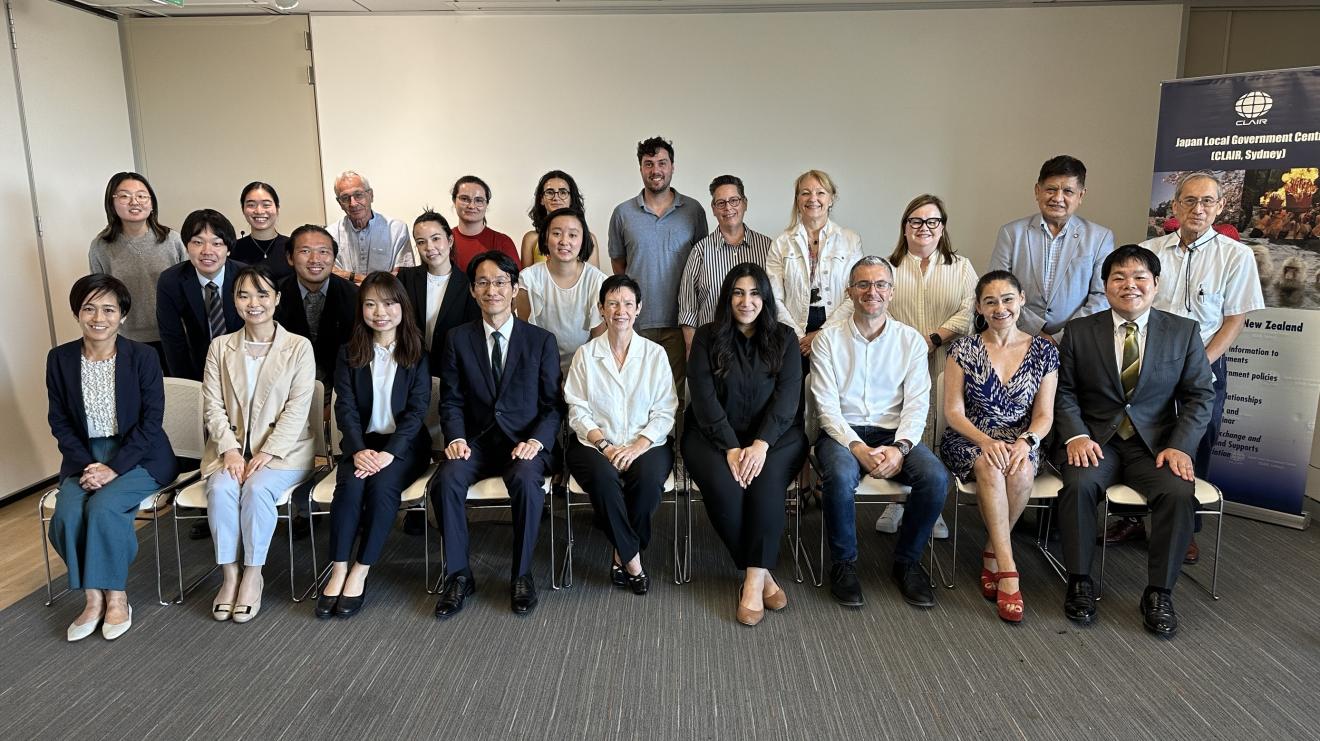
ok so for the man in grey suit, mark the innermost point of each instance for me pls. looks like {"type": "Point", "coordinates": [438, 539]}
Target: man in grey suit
{"type": "Point", "coordinates": [1055, 253]}
{"type": "Point", "coordinates": [1135, 395]}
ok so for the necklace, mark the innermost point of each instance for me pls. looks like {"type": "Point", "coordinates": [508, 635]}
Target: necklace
{"type": "Point", "coordinates": [265, 251]}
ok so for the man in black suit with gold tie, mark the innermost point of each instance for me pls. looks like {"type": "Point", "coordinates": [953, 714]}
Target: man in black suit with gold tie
{"type": "Point", "coordinates": [1135, 395]}
{"type": "Point", "coordinates": [499, 411]}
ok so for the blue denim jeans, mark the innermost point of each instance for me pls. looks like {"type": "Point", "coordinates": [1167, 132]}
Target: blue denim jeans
{"type": "Point", "coordinates": [840, 473]}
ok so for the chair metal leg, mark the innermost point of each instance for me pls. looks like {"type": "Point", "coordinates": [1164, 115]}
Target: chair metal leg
{"type": "Point", "coordinates": [566, 577]}
{"type": "Point", "coordinates": [1043, 545]}
{"type": "Point", "coordinates": [155, 538]}
{"type": "Point", "coordinates": [426, 545]}
{"type": "Point", "coordinates": [953, 562]}
{"type": "Point", "coordinates": [45, 551]}
{"type": "Point", "coordinates": [554, 586]}
{"type": "Point", "coordinates": [1104, 525]}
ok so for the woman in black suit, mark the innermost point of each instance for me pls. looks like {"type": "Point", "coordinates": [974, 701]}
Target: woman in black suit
{"type": "Point", "coordinates": [744, 442]}
{"type": "Point", "coordinates": [382, 388]}
{"type": "Point", "coordinates": [439, 293]}
{"type": "Point", "coordinates": [107, 402]}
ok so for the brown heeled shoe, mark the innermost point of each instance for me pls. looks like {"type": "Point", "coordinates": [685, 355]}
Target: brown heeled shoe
{"type": "Point", "coordinates": [776, 600]}
{"type": "Point", "coordinates": [748, 616]}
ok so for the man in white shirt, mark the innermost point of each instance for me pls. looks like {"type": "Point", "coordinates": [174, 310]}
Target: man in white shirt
{"type": "Point", "coordinates": [369, 241]}
{"type": "Point", "coordinates": [870, 381]}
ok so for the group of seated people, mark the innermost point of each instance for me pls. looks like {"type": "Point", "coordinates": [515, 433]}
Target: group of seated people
{"type": "Point", "coordinates": [584, 373]}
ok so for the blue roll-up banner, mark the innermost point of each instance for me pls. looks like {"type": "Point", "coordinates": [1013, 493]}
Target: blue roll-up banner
{"type": "Point", "coordinates": [1260, 132]}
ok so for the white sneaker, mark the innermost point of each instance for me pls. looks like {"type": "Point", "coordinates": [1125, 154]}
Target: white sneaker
{"type": "Point", "coordinates": [941, 530]}
{"type": "Point", "coordinates": [890, 519]}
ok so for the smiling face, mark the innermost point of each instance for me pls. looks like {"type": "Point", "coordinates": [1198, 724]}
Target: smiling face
{"type": "Point", "coordinates": [99, 317]}
{"type": "Point", "coordinates": [813, 200]}
{"type": "Point", "coordinates": [313, 258]}
{"type": "Point", "coordinates": [620, 310]}
{"type": "Point", "coordinates": [555, 194]}
{"type": "Point", "coordinates": [354, 198]}
{"type": "Point", "coordinates": [493, 291]}
{"type": "Point", "coordinates": [255, 302]}
{"type": "Point", "coordinates": [260, 210]}
{"type": "Point", "coordinates": [1058, 198]}
{"type": "Point", "coordinates": [1131, 288]}
{"type": "Point", "coordinates": [470, 203]}
{"type": "Point", "coordinates": [132, 201]}
{"type": "Point", "coordinates": [657, 170]}
{"type": "Point", "coordinates": [999, 304]}
{"type": "Point", "coordinates": [871, 288]}
{"type": "Point", "coordinates": [746, 303]}
{"type": "Point", "coordinates": [207, 252]}
{"type": "Point", "coordinates": [433, 245]}
{"type": "Point", "coordinates": [729, 207]}
{"type": "Point", "coordinates": [382, 314]}
{"type": "Point", "coordinates": [563, 238]}
{"type": "Point", "coordinates": [923, 238]}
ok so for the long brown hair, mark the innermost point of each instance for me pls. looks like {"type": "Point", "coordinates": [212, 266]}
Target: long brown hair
{"type": "Point", "coordinates": [945, 246]}
{"type": "Point", "coordinates": [114, 226]}
{"type": "Point", "coordinates": [407, 338]}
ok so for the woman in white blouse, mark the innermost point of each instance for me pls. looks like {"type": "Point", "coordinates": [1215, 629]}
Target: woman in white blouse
{"type": "Point", "coordinates": [559, 295]}
{"type": "Point", "coordinates": [621, 406]}
{"type": "Point", "coordinates": [934, 290]}
{"type": "Point", "coordinates": [808, 264]}
{"type": "Point", "coordinates": [257, 391]}
{"type": "Point", "coordinates": [382, 388]}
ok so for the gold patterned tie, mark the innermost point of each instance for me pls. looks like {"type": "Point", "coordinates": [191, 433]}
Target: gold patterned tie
{"type": "Point", "coordinates": [1131, 370]}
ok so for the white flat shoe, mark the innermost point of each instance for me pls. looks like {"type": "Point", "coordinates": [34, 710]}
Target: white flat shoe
{"type": "Point", "coordinates": [112, 631]}
{"type": "Point", "coordinates": [222, 611]}
{"type": "Point", "coordinates": [244, 613]}
{"type": "Point", "coordinates": [78, 632]}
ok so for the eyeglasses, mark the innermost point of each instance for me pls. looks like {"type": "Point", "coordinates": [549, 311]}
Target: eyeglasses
{"type": "Point", "coordinates": [499, 283]}
{"type": "Point", "coordinates": [1205, 202]}
{"type": "Point", "coordinates": [866, 285]}
{"type": "Point", "coordinates": [560, 193]}
{"type": "Point", "coordinates": [471, 200]}
{"type": "Point", "coordinates": [357, 195]}
{"type": "Point", "coordinates": [931, 223]}
{"type": "Point", "coordinates": [724, 203]}
{"type": "Point", "coordinates": [134, 197]}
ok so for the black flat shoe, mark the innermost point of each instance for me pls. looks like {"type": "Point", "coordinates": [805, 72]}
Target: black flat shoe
{"type": "Point", "coordinates": [845, 587]}
{"type": "Point", "coordinates": [618, 577]}
{"type": "Point", "coordinates": [1157, 614]}
{"type": "Point", "coordinates": [639, 583]}
{"type": "Point", "coordinates": [914, 584]}
{"type": "Point", "coordinates": [349, 606]}
{"type": "Point", "coordinates": [325, 605]}
{"type": "Point", "coordinates": [455, 590]}
{"type": "Point", "coordinates": [522, 596]}
{"type": "Point", "coordinates": [1079, 604]}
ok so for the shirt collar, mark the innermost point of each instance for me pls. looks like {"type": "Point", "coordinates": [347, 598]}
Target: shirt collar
{"type": "Point", "coordinates": [829, 228]}
{"type": "Point", "coordinates": [857, 332]}
{"type": "Point", "coordinates": [384, 352]}
{"type": "Point", "coordinates": [1119, 321]}
{"type": "Point", "coordinates": [370, 222]}
{"type": "Point", "coordinates": [1200, 241]}
{"type": "Point", "coordinates": [679, 200]}
{"type": "Point", "coordinates": [304, 290]}
{"type": "Point", "coordinates": [219, 277]}
{"type": "Point", "coordinates": [1067, 225]}
{"type": "Point", "coordinates": [505, 330]}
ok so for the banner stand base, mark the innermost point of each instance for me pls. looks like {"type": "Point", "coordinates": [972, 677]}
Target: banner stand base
{"type": "Point", "coordinates": [1273, 517]}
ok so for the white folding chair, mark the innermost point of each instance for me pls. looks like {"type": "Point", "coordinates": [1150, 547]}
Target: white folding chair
{"type": "Point", "coordinates": [184, 429]}
{"type": "Point", "coordinates": [489, 493]}
{"type": "Point", "coordinates": [566, 579]}
{"type": "Point", "coordinates": [1209, 501]}
{"type": "Point", "coordinates": [193, 498]}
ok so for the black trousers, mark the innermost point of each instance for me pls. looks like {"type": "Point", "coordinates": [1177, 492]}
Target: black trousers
{"type": "Point", "coordinates": [625, 500]}
{"type": "Point", "coordinates": [1172, 502]}
{"type": "Point", "coordinates": [750, 521]}
{"type": "Point", "coordinates": [372, 502]}
{"type": "Point", "coordinates": [525, 481]}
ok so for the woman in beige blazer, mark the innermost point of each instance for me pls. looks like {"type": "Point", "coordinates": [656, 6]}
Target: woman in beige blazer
{"type": "Point", "coordinates": [257, 391]}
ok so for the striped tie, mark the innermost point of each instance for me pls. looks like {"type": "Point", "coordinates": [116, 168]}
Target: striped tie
{"type": "Point", "coordinates": [215, 314]}
{"type": "Point", "coordinates": [1131, 371]}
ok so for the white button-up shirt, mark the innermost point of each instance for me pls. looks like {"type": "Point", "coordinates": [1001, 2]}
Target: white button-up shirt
{"type": "Point", "coordinates": [383, 369]}
{"type": "Point", "coordinates": [1213, 278]}
{"type": "Point", "coordinates": [883, 382]}
{"type": "Point", "coordinates": [638, 399]}
{"type": "Point", "coordinates": [436, 285]}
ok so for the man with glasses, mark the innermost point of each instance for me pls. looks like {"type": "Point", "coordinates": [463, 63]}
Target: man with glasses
{"type": "Point", "coordinates": [711, 259]}
{"type": "Point", "coordinates": [1055, 253]}
{"type": "Point", "coordinates": [1213, 279]}
{"type": "Point", "coordinates": [370, 241]}
{"type": "Point", "coordinates": [650, 238]}
{"type": "Point", "coordinates": [872, 391]}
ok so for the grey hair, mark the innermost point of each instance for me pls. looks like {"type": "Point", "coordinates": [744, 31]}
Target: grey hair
{"type": "Point", "coordinates": [346, 174]}
{"type": "Point", "coordinates": [1198, 175]}
{"type": "Point", "coordinates": [869, 261]}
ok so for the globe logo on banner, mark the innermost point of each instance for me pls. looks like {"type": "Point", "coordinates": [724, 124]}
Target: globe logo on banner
{"type": "Point", "coordinates": [1254, 104]}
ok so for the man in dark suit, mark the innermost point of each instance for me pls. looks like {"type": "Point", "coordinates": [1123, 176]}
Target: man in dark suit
{"type": "Point", "coordinates": [314, 302]}
{"type": "Point", "coordinates": [1135, 395]}
{"type": "Point", "coordinates": [195, 299]}
{"type": "Point", "coordinates": [499, 410]}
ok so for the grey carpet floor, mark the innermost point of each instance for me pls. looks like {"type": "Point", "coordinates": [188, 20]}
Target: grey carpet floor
{"type": "Point", "coordinates": [593, 662]}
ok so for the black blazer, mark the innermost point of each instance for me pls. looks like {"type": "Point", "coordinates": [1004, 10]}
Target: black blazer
{"type": "Point", "coordinates": [185, 331]}
{"type": "Point", "coordinates": [139, 410]}
{"type": "Point", "coordinates": [456, 307]}
{"type": "Point", "coordinates": [1172, 403]}
{"type": "Point", "coordinates": [528, 401]}
{"type": "Point", "coordinates": [748, 403]}
{"type": "Point", "coordinates": [408, 400]}
{"type": "Point", "coordinates": [336, 319]}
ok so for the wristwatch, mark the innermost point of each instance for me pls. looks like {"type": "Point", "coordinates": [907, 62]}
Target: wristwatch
{"type": "Point", "coordinates": [602, 444]}
{"type": "Point", "coordinates": [904, 447]}
{"type": "Point", "coordinates": [936, 339]}
{"type": "Point", "coordinates": [1032, 439]}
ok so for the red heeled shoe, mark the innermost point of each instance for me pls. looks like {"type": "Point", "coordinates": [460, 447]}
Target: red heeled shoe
{"type": "Point", "coordinates": [1010, 605]}
{"type": "Point", "coordinates": [989, 579]}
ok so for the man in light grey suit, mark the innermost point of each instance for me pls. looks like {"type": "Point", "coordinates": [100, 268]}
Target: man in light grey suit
{"type": "Point", "coordinates": [1055, 253]}
{"type": "Point", "coordinates": [1135, 395]}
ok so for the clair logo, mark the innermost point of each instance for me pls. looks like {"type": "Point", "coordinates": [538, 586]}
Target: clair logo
{"type": "Point", "coordinates": [1252, 107]}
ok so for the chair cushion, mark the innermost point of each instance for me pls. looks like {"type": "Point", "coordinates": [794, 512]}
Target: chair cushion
{"type": "Point", "coordinates": [575, 488]}
{"type": "Point", "coordinates": [1206, 494]}
{"type": "Point", "coordinates": [872, 487]}
{"type": "Point", "coordinates": [194, 495]}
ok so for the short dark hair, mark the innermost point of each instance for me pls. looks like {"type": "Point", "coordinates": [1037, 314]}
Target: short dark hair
{"type": "Point", "coordinates": [453, 192]}
{"type": "Point", "coordinates": [310, 229]}
{"type": "Point", "coordinates": [650, 147]}
{"type": "Point", "coordinates": [1130, 253]}
{"type": "Point", "coordinates": [615, 282]}
{"type": "Point", "coordinates": [1065, 165]}
{"type": "Point", "coordinates": [207, 218]}
{"type": "Point", "coordinates": [90, 286]}
{"type": "Point", "coordinates": [257, 275]}
{"type": "Point", "coordinates": [502, 261]}
{"type": "Point", "coordinates": [993, 276]}
{"type": "Point", "coordinates": [258, 185]}
{"type": "Point", "coordinates": [588, 244]}
{"type": "Point", "coordinates": [733, 180]}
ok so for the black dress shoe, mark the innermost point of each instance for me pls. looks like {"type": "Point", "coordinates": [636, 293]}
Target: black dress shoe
{"type": "Point", "coordinates": [1079, 604]}
{"type": "Point", "coordinates": [349, 606]}
{"type": "Point", "coordinates": [639, 583]}
{"type": "Point", "coordinates": [522, 597]}
{"type": "Point", "coordinates": [914, 583]}
{"type": "Point", "coordinates": [1157, 614]}
{"type": "Point", "coordinates": [414, 523]}
{"type": "Point", "coordinates": [844, 584]}
{"type": "Point", "coordinates": [200, 531]}
{"type": "Point", "coordinates": [618, 577]}
{"type": "Point", "coordinates": [325, 605]}
{"type": "Point", "coordinates": [456, 588]}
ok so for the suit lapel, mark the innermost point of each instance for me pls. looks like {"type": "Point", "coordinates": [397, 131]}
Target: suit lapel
{"type": "Point", "coordinates": [1067, 255]}
{"type": "Point", "coordinates": [364, 392]}
{"type": "Point", "coordinates": [230, 311]}
{"type": "Point", "coordinates": [1104, 349]}
{"type": "Point", "coordinates": [192, 290]}
{"type": "Point", "coordinates": [1155, 331]}
{"type": "Point", "coordinates": [72, 369]}
{"type": "Point", "coordinates": [478, 343]}
{"type": "Point", "coordinates": [276, 361]}
{"type": "Point", "coordinates": [236, 369]}
{"type": "Point", "coordinates": [513, 352]}
{"type": "Point", "coordinates": [126, 391]}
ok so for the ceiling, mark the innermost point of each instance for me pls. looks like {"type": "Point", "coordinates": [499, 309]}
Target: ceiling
{"type": "Point", "coordinates": [146, 8]}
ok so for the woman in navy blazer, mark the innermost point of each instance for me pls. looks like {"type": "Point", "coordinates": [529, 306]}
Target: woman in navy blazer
{"type": "Point", "coordinates": [107, 402]}
{"type": "Point", "coordinates": [382, 389]}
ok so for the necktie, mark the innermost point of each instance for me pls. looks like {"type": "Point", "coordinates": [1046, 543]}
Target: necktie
{"type": "Point", "coordinates": [313, 303]}
{"type": "Point", "coordinates": [215, 314]}
{"type": "Point", "coordinates": [1131, 370]}
{"type": "Point", "coordinates": [496, 359]}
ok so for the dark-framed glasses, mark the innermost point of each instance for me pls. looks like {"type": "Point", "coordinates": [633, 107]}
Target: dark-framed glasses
{"type": "Point", "coordinates": [561, 193]}
{"type": "Point", "coordinates": [347, 198]}
{"type": "Point", "coordinates": [723, 203]}
{"type": "Point", "coordinates": [1204, 202]}
{"type": "Point", "coordinates": [932, 223]}
{"type": "Point", "coordinates": [866, 285]}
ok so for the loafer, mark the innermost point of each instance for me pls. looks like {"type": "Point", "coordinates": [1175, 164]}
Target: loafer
{"type": "Point", "coordinates": [112, 631]}
{"type": "Point", "coordinates": [845, 587]}
{"type": "Point", "coordinates": [1157, 614]}
{"type": "Point", "coordinates": [639, 583]}
{"type": "Point", "coordinates": [522, 595]}
{"type": "Point", "coordinates": [325, 605]}
{"type": "Point", "coordinates": [914, 584]}
{"type": "Point", "coordinates": [1079, 603]}
{"type": "Point", "coordinates": [78, 632]}
{"type": "Point", "coordinates": [1193, 554]}
{"type": "Point", "coordinates": [349, 606]}
{"type": "Point", "coordinates": [1125, 529]}
{"type": "Point", "coordinates": [456, 589]}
